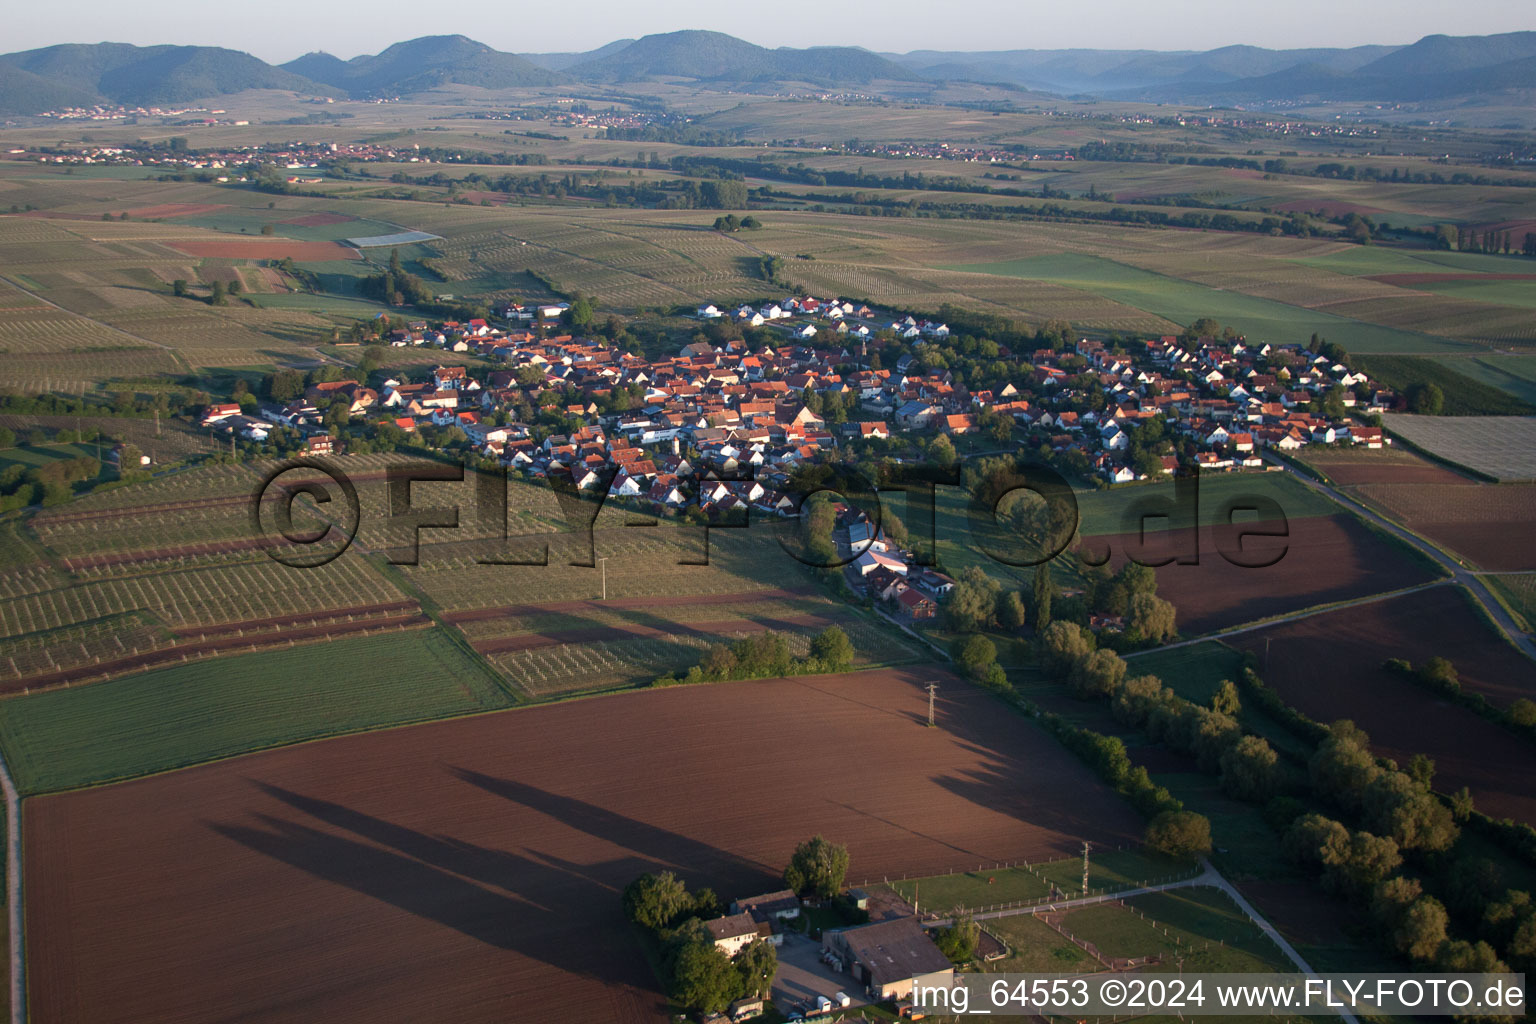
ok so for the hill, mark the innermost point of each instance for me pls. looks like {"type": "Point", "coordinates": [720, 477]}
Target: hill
{"type": "Point", "coordinates": [562, 61]}
{"type": "Point", "coordinates": [717, 57]}
{"type": "Point", "coordinates": [425, 63]}
{"type": "Point", "coordinates": [1098, 71]}
{"type": "Point", "coordinates": [133, 75]}
{"type": "Point", "coordinates": [22, 92]}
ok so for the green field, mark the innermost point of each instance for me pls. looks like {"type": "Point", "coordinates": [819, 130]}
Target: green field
{"type": "Point", "coordinates": [1515, 375]}
{"type": "Point", "coordinates": [1371, 260]}
{"type": "Point", "coordinates": [1104, 512]}
{"type": "Point", "coordinates": [1036, 948]}
{"type": "Point", "coordinates": [976, 890]}
{"type": "Point", "coordinates": [1500, 293]}
{"type": "Point", "coordinates": [1184, 302]}
{"type": "Point", "coordinates": [1518, 592]}
{"type": "Point", "coordinates": [33, 456]}
{"type": "Point", "coordinates": [173, 717]}
{"type": "Point", "coordinates": [1464, 395]}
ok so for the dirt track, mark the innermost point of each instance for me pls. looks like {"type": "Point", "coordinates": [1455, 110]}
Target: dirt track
{"type": "Point", "coordinates": [471, 870]}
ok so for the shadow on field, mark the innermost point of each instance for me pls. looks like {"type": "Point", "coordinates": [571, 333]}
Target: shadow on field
{"type": "Point", "coordinates": [542, 905]}
{"type": "Point", "coordinates": [539, 906]}
{"type": "Point", "coordinates": [657, 847]}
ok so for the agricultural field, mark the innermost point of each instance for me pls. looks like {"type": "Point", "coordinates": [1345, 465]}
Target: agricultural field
{"type": "Point", "coordinates": [990, 885]}
{"type": "Point", "coordinates": [1502, 447]}
{"type": "Point", "coordinates": [1183, 302]}
{"type": "Point", "coordinates": [1350, 465]}
{"type": "Point", "coordinates": [1103, 277]}
{"type": "Point", "coordinates": [1515, 374]}
{"type": "Point", "coordinates": [1196, 929]}
{"type": "Point", "coordinates": [1319, 560]}
{"type": "Point", "coordinates": [1489, 525]}
{"type": "Point", "coordinates": [1402, 717]}
{"type": "Point", "coordinates": [474, 864]}
{"type": "Point", "coordinates": [1518, 593]}
{"type": "Point", "coordinates": [1464, 395]}
{"type": "Point", "coordinates": [187, 714]}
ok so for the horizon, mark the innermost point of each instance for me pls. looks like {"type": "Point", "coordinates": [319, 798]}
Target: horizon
{"type": "Point", "coordinates": [1134, 27]}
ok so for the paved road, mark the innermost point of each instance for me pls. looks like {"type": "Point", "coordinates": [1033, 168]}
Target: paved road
{"type": "Point", "coordinates": [1459, 573]}
{"type": "Point", "coordinates": [13, 891]}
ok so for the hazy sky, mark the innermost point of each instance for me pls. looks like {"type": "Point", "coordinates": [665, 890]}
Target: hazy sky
{"type": "Point", "coordinates": [280, 30]}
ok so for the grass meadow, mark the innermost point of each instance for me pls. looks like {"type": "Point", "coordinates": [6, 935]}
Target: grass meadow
{"type": "Point", "coordinates": [187, 714]}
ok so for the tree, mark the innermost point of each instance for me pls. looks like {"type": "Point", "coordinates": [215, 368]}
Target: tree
{"type": "Point", "coordinates": [1426, 398]}
{"type": "Point", "coordinates": [1179, 834]}
{"type": "Point", "coordinates": [977, 655]}
{"type": "Point", "coordinates": [267, 229]}
{"type": "Point", "coordinates": [942, 451]}
{"type": "Point", "coordinates": [236, 287]}
{"type": "Point", "coordinates": [129, 458]}
{"type": "Point", "coordinates": [1416, 923]}
{"type": "Point", "coordinates": [1441, 674]}
{"type": "Point", "coordinates": [1042, 594]}
{"type": "Point", "coordinates": [1151, 618]}
{"type": "Point", "coordinates": [1097, 674]}
{"type": "Point", "coordinates": [285, 385]}
{"type": "Point", "coordinates": [179, 287]}
{"type": "Point", "coordinates": [817, 868]}
{"type": "Point", "coordinates": [1010, 610]}
{"type": "Point", "coordinates": [1062, 645]}
{"type": "Point", "coordinates": [832, 648]}
{"type": "Point", "coordinates": [1226, 700]}
{"type": "Point", "coordinates": [217, 298]}
{"type": "Point", "coordinates": [703, 979]}
{"type": "Point", "coordinates": [1522, 712]}
{"type": "Point", "coordinates": [959, 940]}
{"type": "Point", "coordinates": [972, 602]}
{"type": "Point", "coordinates": [1250, 769]}
{"type": "Point", "coordinates": [720, 194]}
{"type": "Point", "coordinates": [756, 965]}
{"type": "Point", "coordinates": [656, 901]}
{"type": "Point", "coordinates": [579, 314]}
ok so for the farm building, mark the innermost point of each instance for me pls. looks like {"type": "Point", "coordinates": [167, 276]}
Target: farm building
{"type": "Point", "coordinates": [781, 906]}
{"type": "Point", "coordinates": [887, 956]}
{"type": "Point", "coordinates": [733, 933]}
{"type": "Point", "coordinates": [917, 605]}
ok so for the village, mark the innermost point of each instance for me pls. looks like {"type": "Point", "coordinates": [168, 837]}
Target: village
{"type": "Point", "coordinates": [1222, 401]}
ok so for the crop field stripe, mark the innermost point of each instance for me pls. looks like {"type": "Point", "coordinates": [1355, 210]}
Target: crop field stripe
{"type": "Point", "coordinates": [1184, 301]}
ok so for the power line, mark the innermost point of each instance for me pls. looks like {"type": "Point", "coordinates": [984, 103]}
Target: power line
{"type": "Point", "coordinates": [932, 688]}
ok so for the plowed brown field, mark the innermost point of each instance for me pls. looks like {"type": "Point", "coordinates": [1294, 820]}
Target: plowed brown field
{"type": "Point", "coordinates": [471, 870]}
{"type": "Point", "coordinates": [1325, 559]}
{"type": "Point", "coordinates": [1329, 666]}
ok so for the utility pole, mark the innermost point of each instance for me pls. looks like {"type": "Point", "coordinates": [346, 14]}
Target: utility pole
{"type": "Point", "coordinates": [603, 564]}
{"type": "Point", "coordinates": [932, 688]}
{"type": "Point", "coordinates": [1086, 847]}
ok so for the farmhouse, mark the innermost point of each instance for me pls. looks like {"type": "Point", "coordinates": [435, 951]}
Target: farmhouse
{"type": "Point", "coordinates": [733, 933]}
{"type": "Point", "coordinates": [916, 605]}
{"type": "Point", "coordinates": [783, 905]}
{"type": "Point", "coordinates": [887, 956]}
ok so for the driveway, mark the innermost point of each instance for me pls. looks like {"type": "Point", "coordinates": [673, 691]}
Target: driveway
{"type": "Point", "coordinates": [802, 976]}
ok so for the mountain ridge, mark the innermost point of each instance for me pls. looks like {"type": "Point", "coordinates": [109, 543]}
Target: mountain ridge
{"type": "Point", "coordinates": [1434, 68]}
